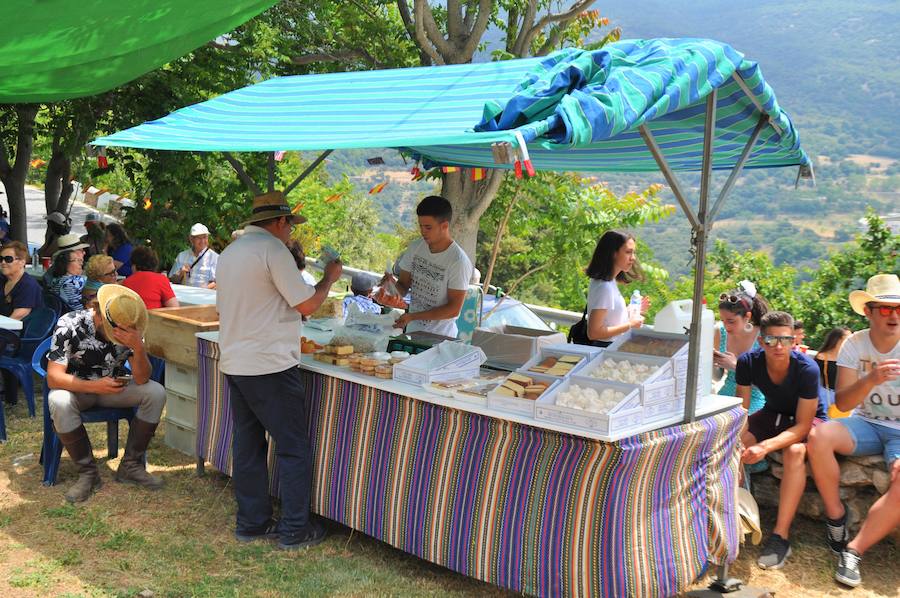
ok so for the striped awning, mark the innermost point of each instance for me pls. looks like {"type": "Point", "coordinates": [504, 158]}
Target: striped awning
{"type": "Point", "coordinates": [577, 110]}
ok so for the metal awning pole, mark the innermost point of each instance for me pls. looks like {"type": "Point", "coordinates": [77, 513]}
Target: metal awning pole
{"type": "Point", "coordinates": [270, 172]}
{"type": "Point", "coordinates": [699, 241]}
{"type": "Point", "coordinates": [669, 174]}
{"type": "Point", "coordinates": [242, 174]}
{"type": "Point", "coordinates": [736, 171]}
{"type": "Point", "coordinates": [308, 170]}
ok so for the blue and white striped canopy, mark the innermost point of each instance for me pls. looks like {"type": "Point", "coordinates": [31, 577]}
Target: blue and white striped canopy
{"type": "Point", "coordinates": [576, 110]}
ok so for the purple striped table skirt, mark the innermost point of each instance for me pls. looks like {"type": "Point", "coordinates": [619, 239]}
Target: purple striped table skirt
{"type": "Point", "coordinates": [535, 511]}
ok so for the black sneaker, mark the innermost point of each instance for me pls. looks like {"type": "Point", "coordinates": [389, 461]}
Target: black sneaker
{"type": "Point", "coordinates": [270, 532]}
{"type": "Point", "coordinates": [836, 533]}
{"type": "Point", "coordinates": [775, 552]}
{"type": "Point", "coordinates": [312, 535]}
{"type": "Point", "coordinates": [848, 568]}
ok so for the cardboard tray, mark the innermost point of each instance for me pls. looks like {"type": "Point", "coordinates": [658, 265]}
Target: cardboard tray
{"type": "Point", "coordinates": [545, 353]}
{"type": "Point", "coordinates": [658, 387]}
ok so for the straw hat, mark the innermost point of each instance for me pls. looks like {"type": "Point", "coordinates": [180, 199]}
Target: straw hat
{"type": "Point", "coordinates": [272, 205]}
{"type": "Point", "coordinates": [120, 307]}
{"type": "Point", "coordinates": [883, 288]}
{"type": "Point", "coordinates": [69, 242]}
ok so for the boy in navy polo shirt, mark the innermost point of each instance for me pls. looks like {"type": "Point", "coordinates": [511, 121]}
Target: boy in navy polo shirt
{"type": "Point", "coordinates": [790, 382]}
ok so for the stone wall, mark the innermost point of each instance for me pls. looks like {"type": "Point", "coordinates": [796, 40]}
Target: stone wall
{"type": "Point", "coordinates": [863, 481]}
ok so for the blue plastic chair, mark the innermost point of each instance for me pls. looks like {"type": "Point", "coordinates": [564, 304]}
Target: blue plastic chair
{"type": "Point", "coordinates": [37, 327]}
{"type": "Point", "coordinates": [51, 450]}
{"type": "Point", "coordinates": [55, 303]}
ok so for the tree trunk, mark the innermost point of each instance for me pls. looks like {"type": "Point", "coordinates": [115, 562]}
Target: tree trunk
{"type": "Point", "coordinates": [57, 187]}
{"type": "Point", "coordinates": [469, 199]}
{"type": "Point", "coordinates": [13, 176]}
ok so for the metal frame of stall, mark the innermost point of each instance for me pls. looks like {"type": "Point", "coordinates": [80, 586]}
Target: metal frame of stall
{"type": "Point", "coordinates": [701, 223]}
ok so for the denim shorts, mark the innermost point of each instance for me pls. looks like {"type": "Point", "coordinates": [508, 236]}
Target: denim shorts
{"type": "Point", "coordinates": [870, 438]}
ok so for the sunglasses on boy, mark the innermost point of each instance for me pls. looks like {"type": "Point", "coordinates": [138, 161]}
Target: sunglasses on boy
{"type": "Point", "coordinates": [886, 310]}
{"type": "Point", "coordinates": [771, 340]}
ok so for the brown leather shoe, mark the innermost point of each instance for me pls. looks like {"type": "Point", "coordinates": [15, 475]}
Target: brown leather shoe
{"type": "Point", "coordinates": [78, 445]}
{"type": "Point", "coordinates": [132, 469]}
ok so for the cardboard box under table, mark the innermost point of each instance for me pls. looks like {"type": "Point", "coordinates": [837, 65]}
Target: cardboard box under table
{"type": "Point", "coordinates": [505, 498]}
{"type": "Point", "coordinates": [171, 336]}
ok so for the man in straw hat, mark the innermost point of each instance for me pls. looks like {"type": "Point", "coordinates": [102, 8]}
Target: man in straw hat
{"type": "Point", "coordinates": [868, 381]}
{"type": "Point", "coordinates": [260, 300]}
{"type": "Point", "coordinates": [86, 368]}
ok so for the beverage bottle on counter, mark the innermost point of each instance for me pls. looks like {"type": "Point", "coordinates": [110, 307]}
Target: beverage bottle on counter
{"type": "Point", "coordinates": [634, 306]}
{"type": "Point", "coordinates": [35, 259]}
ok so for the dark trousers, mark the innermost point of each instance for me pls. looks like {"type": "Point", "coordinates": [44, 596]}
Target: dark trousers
{"type": "Point", "coordinates": [277, 404]}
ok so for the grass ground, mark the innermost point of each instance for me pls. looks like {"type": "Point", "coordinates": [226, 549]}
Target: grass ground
{"type": "Point", "coordinates": [178, 542]}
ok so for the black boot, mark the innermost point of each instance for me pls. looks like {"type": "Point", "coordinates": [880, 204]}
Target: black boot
{"type": "Point", "coordinates": [131, 469]}
{"type": "Point", "coordinates": [78, 445]}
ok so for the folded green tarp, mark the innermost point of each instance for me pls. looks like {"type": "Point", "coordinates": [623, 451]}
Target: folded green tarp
{"type": "Point", "coordinates": [58, 49]}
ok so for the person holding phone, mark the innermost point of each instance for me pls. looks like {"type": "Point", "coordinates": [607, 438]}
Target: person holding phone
{"type": "Point", "coordinates": [789, 380]}
{"type": "Point", "coordinates": [740, 311]}
{"type": "Point", "coordinates": [86, 368]}
{"type": "Point", "coordinates": [868, 383]}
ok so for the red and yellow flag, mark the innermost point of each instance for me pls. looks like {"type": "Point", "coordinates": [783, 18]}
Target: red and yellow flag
{"type": "Point", "coordinates": [378, 188]}
{"type": "Point", "coordinates": [296, 209]}
{"type": "Point", "coordinates": [478, 173]}
{"type": "Point", "coordinates": [449, 169]}
{"type": "Point", "coordinates": [334, 197]}
{"type": "Point", "coordinates": [37, 163]}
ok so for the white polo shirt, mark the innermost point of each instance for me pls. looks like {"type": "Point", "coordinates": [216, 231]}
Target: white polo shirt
{"type": "Point", "coordinates": [258, 286]}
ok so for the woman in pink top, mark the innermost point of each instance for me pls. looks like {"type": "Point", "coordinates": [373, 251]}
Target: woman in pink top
{"type": "Point", "coordinates": [153, 287]}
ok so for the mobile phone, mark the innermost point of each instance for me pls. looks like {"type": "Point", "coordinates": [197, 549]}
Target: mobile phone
{"type": "Point", "coordinates": [124, 379]}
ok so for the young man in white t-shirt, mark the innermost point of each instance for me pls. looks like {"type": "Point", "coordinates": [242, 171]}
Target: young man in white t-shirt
{"type": "Point", "coordinates": [868, 380]}
{"type": "Point", "coordinates": [436, 271]}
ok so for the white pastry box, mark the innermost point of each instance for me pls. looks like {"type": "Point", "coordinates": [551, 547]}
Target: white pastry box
{"type": "Point", "coordinates": [520, 405]}
{"type": "Point", "coordinates": [658, 387]}
{"type": "Point", "coordinates": [449, 360]}
{"type": "Point", "coordinates": [642, 341]}
{"type": "Point", "coordinates": [623, 418]}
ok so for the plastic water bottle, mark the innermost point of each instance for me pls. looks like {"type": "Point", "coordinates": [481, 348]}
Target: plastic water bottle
{"type": "Point", "coordinates": [634, 306]}
{"type": "Point", "coordinates": [35, 259]}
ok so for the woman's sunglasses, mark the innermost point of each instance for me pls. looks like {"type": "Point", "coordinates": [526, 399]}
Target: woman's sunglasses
{"type": "Point", "coordinates": [770, 340]}
{"type": "Point", "coordinates": [885, 310]}
{"type": "Point", "coordinates": [7, 259]}
{"type": "Point", "coordinates": [113, 273]}
{"type": "Point", "coordinates": [734, 299]}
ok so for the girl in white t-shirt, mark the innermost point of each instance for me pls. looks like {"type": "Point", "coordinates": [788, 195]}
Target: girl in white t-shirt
{"type": "Point", "coordinates": [614, 261]}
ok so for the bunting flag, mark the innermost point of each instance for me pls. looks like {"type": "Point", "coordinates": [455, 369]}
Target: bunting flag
{"type": "Point", "coordinates": [147, 203]}
{"type": "Point", "coordinates": [378, 188]}
{"type": "Point", "coordinates": [333, 197]}
{"type": "Point", "coordinates": [478, 173]}
{"type": "Point", "coordinates": [296, 209]}
{"type": "Point", "coordinates": [375, 161]}
{"type": "Point", "coordinates": [37, 163]}
{"type": "Point", "coordinates": [449, 169]}
{"type": "Point", "coordinates": [102, 162]}
{"type": "Point", "coordinates": [279, 155]}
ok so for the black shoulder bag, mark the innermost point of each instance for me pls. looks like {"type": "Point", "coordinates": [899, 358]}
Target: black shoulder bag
{"type": "Point", "coordinates": [578, 333]}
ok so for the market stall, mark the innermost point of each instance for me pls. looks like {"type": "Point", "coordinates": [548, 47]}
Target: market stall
{"type": "Point", "coordinates": [508, 498]}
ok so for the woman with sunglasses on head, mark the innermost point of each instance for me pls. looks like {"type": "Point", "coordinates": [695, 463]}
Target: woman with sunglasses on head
{"type": "Point", "coordinates": [614, 261]}
{"type": "Point", "coordinates": [740, 312]}
{"type": "Point", "coordinates": [790, 382]}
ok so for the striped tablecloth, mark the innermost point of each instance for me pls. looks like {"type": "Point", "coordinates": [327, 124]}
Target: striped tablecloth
{"type": "Point", "coordinates": [536, 511]}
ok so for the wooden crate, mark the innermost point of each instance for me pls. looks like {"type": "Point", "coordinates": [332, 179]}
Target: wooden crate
{"type": "Point", "coordinates": [170, 332]}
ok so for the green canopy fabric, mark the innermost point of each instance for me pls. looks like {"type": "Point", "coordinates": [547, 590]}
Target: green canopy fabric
{"type": "Point", "coordinates": [575, 110]}
{"type": "Point", "coordinates": [59, 49]}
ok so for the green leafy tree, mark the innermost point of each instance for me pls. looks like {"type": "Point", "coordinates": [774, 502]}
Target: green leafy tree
{"type": "Point", "coordinates": [538, 235]}
{"type": "Point", "coordinates": [452, 33]}
{"type": "Point", "coordinates": [822, 302]}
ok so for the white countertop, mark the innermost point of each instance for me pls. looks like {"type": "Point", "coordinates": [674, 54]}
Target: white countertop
{"type": "Point", "coordinates": [709, 405]}
{"type": "Point", "coordinates": [188, 295]}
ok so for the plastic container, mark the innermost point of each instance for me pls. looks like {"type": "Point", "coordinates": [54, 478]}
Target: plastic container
{"type": "Point", "coordinates": [675, 318]}
{"type": "Point", "coordinates": [634, 305]}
